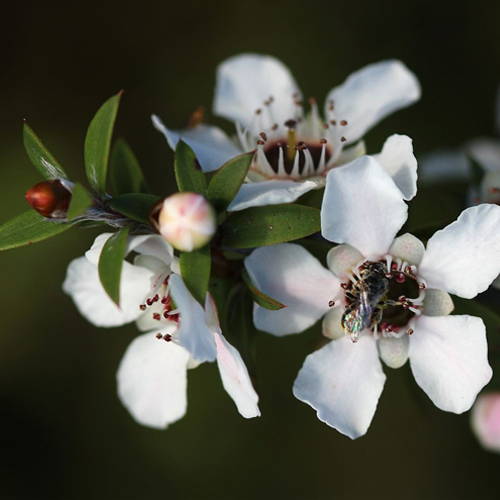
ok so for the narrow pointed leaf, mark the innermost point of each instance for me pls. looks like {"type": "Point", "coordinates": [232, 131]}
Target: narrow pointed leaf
{"type": "Point", "coordinates": [81, 200]}
{"type": "Point", "coordinates": [27, 228]}
{"type": "Point", "coordinates": [125, 173]}
{"type": "Point", "coordinates": [260, 297]}
{"type": "Point", "coordinates": [195, 270]}
{"type": "Point", "coordinates": [227, 181]}
{"type": "Point", "coordinates": [135, 206]}
{"type": "Point", "coordinates": [239, 327]}
{"type": "Point", "coordinates": [98, 142]}
{"type": "Point", "coordinates": [111, 263]}
{"type": "Point", "coordinates": [187, 170]}
{"type": "Point", "coordinates": [261, 226]}
{"type": "Point", "coordinates": [40, 156]}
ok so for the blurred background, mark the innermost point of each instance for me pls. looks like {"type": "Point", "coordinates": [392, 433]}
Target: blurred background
{"type": "Point", "coordinates": [63, 432]}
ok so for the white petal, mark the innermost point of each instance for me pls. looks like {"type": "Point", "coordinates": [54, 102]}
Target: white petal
{"type": "Point", "coordinates": [342, 259]}
{"type": "Point", "coordinates": [235, 378]}
{"type": "Point", "coordinates": [437, 303]}
{"type": "Point", "coordinates": [400, 163]}
{"type": "Point", "coordinates": [464, 257]}
{"type": "Point", "coordinates": [83, 284]}
{"type": "Point", "coordinates": [372, 93]}
{"type": "Point", "coordinates": [394, 351]}
{"type": "Point", "coordinates": [258, 194]}
{"type": "Point", "coordinates": [448, 358]}
{"type": "Point", "coordinates": [291, 275]}
{"type": "Point", "coordinates": [362, 207]}
{"type": "Point", "coordinates": [193, 332]}
{"type": "Point", "coordinates": [149, 244]}
{"type": "Point", "coordinates": [331, 326]}
{"type": "Point", "coordinates": [486, 152]}
{"type": "Point", "coordinates": [232, 369]}
{"type": "Point", "coordinates": [350, 153]}
{"type": "Point", "coordinates": [211, 314]}
{"type": "Point", "coordinates": [152, 381]}
{"type": "Point", "coordinates": [408, 248]}
{"type": "Point", "coordinates": [152, 245]}
{"type": "Point", "coordinates": [443, 165]}
{"type": "Point", "coordinates": [94, 252]}
{"type": "Point", "coordinates": [210, 144]}
{"type": "Point", "coordinates": [343, 382]}
{"type": "Point", "coordinates": [245, 81]}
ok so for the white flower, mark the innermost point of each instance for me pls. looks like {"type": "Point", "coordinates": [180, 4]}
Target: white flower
{"type": "Point", "coordinates": [152, 376]}
{"type": "Point", "coordinates": [455, 165]}
{"type": "Point", "coordinates": [390, 294]}
{"type": "Point", "coordinates": [294, 151]}
{"type": "Point", "coordinates": [485, 420]}
{"type": "Point", "coordinates": [186, 220]}
{"type": "Point", "coordinates": [445, 165]}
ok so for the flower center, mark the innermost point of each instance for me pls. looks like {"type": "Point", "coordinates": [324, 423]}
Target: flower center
{"type": "Point", "coordinates": [162, 309]}
{"type": "Point", "coordinates": [383, 297]}
{"type": "Point", "coordinates": [301, 147]}
{"type": "Point", "coordinates": [296, 161]}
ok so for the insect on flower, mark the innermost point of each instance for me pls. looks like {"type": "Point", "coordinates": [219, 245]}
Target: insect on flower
{"type": "Point", "coordinates": [365, 299]}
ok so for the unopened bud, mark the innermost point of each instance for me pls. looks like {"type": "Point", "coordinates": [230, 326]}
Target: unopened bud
{"type": "Point", "coordinates": [485, 420]}
{"type": "Point", "coordinates": [49, 198]}
{"type": "Point", "coordinates": [186, 221]}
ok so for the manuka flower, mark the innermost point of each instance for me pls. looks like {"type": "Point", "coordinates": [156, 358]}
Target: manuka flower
{"type": "Point", "coordinates": [477, 162]}
{"type": "Point", "coordinates": [382, 296]}
{"type": "Point", "coordinates": [294, 150]}
{"type": "Point", "coordinates": [180, 334]}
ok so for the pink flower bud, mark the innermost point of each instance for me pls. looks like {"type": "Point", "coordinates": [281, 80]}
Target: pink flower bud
{"type": "Point", "coordinates": [485, 420]}
{"type": "Point", "coordinates": [49, 198]}
{"type": "Point", "coordinates": [186, 221]}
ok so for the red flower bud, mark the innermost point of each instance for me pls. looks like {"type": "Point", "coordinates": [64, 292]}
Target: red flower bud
{"type": "Point", "coordinates": [49, 198]}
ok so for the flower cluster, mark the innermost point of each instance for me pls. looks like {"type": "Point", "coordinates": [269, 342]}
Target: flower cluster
{"type": "Point", "coordinates": [292, 219]}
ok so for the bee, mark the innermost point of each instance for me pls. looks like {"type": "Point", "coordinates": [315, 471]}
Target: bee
{"type": "Point", "coordinates": [363, 299]}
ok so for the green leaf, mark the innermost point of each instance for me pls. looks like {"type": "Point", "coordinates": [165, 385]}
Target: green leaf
{"type": "Point", "coordinates": [124, 170]}
{"type": "Point", "coordinates": [111, 263]}
{"type": "Point", "coordinates": [195, 271]}
{"type": "Point", "coordinates": [239, 330]}
{"type": "Point", "coordinates": [313, 198]}
{"type": "Point", "coordinates": [40, 156]}
{"type": "Point", "coordinates": [220, 288]}
{"type": "Point", "coordinates": [80, 201]}
{"type": "Point", "coordinates": [227, 181]}
{"type": "Point", "coordinates": [135, 206]}
{"type": "Point", "coordinates": [28, 228]}
{"type": "Point", "coordinates": [98, 142]}
{"type": "Point", "coordinates": [260, 226]}
{"type": "Point", "coordinates": [188, 173]}
{"type": "Point", "coordinates": [261, 298]}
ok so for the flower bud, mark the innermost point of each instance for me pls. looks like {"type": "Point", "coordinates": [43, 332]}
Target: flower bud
{"type": "Point", "coordinates": [186, 221]}
{"type": "Point", "coordinates": [485, 420]}
{"type": "Point", "coordinates": [49, 198]}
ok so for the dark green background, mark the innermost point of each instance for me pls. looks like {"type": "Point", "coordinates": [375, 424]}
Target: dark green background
{"type": "Point", "coordinates": [63, 433]}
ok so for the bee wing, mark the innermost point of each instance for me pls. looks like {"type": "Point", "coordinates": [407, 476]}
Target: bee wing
{"type": "Point", "coordinates": [365, 309]}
